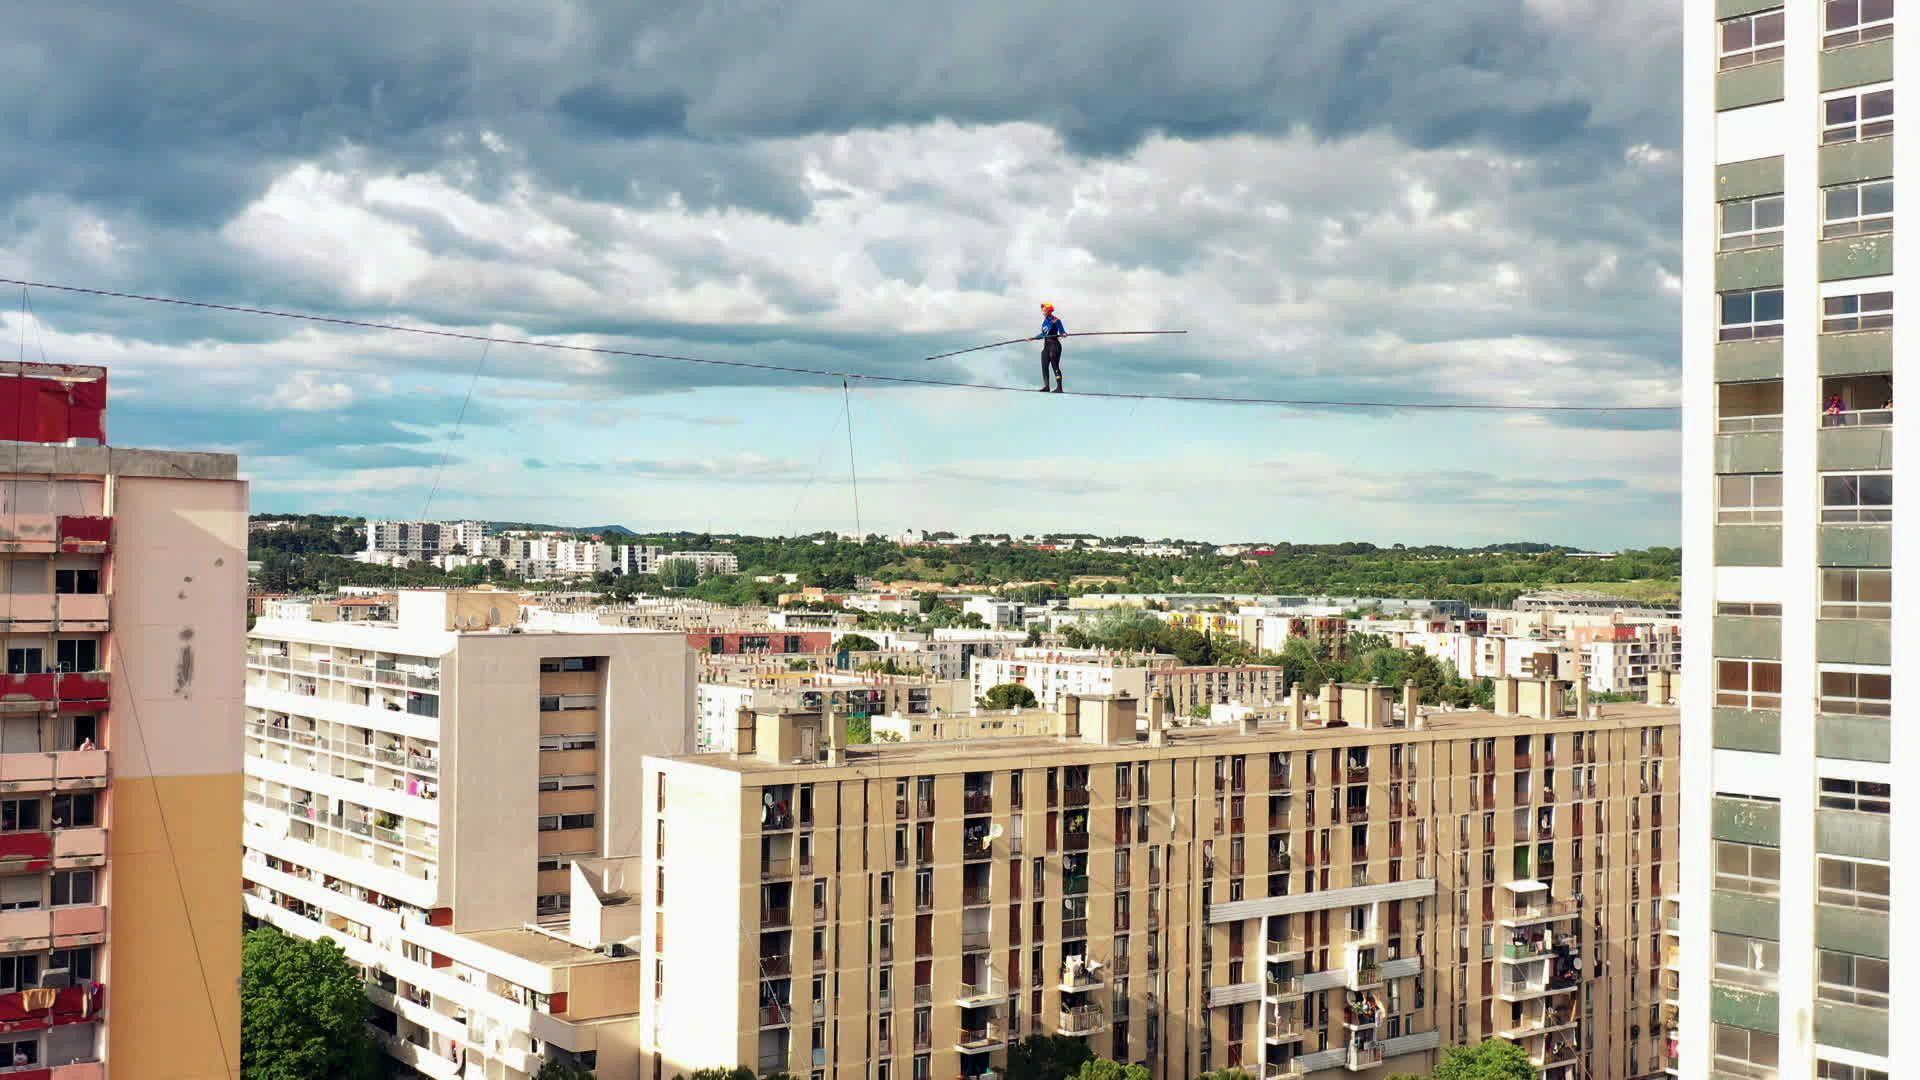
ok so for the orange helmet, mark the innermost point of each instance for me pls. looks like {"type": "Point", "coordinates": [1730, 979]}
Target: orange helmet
{"type": "Point", "coordinates": [1046, 307]}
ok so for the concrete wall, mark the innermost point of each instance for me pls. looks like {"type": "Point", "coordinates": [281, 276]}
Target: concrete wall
{"type": "Point", "coordinates": [173, 959]}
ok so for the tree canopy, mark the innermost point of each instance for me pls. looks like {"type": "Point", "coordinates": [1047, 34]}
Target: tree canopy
{"type": "Point", "coordinates": [1046, 1057]}
{"type": "Point", "coordinates": [856, 643]}
{"type": "Point", "coordinates": [1492, 1059]}
{"type": "Point", "coordinates": [1105, 1069]}
{"type": "Point", "coordinates": [1008, 696]}
{"type": "Point", "coordinates": [303, 1011]}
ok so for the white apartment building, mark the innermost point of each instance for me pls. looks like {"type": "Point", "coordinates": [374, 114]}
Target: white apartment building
{"type": "Point", "coordinates": [422, 539]}
{"type": "Point", "coordinates": [1051, 673]}
{"type": "Point", "coordinates": [706, 562]}
{"type": "Point", "coordinates": [425, 791]}
{"type": "Point", "coordinates": [1794, 723]}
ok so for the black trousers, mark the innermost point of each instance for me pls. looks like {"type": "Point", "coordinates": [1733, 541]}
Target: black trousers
{"type": "Point", "coordinates": [1049, 360]}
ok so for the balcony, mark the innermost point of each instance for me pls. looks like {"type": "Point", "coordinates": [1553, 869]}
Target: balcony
{"type": "Point", "coordinates": [1541, 912]}
{"type": "Point", "coordinates": [980, 1040]}
{"type": "Point", "coordinates": [974, 995]}
{"type": "Point", "coordinates": [1076, 796]}
{"type": "Point", "coordinates": [775, 1015]}
{"type": "Point", "coordinates": [1281, 951]}
{"type": "Point", "coordinates": [775, 967]}
{"type": "Point", "coordinates": [1362, 1058]}
{"type": "Point", "coordinates": [1083, 1020]}
{"type": "Point", "coordinates": [1291, 1070]}
{"type": "Point", "coordinates": [1282, 989]}
{"type": "Point", "coordinates": [1364, 976]}
{"type": "Point", "coordinates": [1284, 1031]}
{"type": "Point", "coordinates": [26, 845]}
{"type": "Point", "coordinates": [1512, 989]}
{"type": "Point", "coordinates": [978, 802]}
{"type": "Point", "coordinates": [51, 687]}
{"type": "Point", "coordinates": [1080, 977]}
{"type": "Point", "coordinates": [776, 868]}
{"type": "Point", "coordinates": [776, 916]}
{"type": "Point", "coordinates": [973, 850]}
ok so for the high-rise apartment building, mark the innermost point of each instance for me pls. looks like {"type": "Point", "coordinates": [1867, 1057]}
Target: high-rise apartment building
{"type": "Point", "coordinates": [125, 577]}
{"type": "Point", "coordinates": [439, 795]}
{"type": "Point", "coordinates": [1343, 891]}
{"type": "Point", "coordinates": [1791, 445]}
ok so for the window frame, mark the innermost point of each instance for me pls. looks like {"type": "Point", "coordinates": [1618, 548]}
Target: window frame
{"type": "Point", "coordinates": [1850, 992]}
{"type": "Point", "coordinates": [1851, 579]}
{"type": "Point", "coordinates": [1745, 698]}
{"type": "Point", "coordinates": [1861, 316]}
{"type": "Point", "coordinates": [1745, 1066]}
{"type": "Point", "coordinates": [1753, 327]}
{"type": "Point", "coordinates": [1756, 974]}
{"type": "Point", "coordinates": [1755, 51]}
{"type": "Point", "coordinates": [1858, 32]}
{"type": "Point", "coordinates": [1772, 236]}
{"type": "Point", "coordinates": [1725, 880]}
{"type": "Point", "coordinates": [1857, 223]}
{"type": "Point", "coordinates": [1855, 796]}
{"type": "Point", "coordinates": [1848, 893]}
{"type": "Point", "coordinates": [1855, 129]}
{"type": "Point", "coordinates": [1750, 512]}
{"type": "Point", "coordinates": [1859, 511]}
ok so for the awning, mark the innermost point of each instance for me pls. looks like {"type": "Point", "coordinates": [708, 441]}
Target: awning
{"type": "Point", "coordinates": [1526, 886]}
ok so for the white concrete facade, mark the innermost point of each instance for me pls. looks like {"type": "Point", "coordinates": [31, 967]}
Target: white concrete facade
{"type": "Point", "coordinates": [1773, 747]}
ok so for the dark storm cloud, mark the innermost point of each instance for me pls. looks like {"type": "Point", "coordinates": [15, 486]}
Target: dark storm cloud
{"type": "Point", "coordinates": [201, 101]}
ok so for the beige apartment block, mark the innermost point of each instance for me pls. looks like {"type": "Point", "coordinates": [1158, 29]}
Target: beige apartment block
{"type": "Point", "coordinates": [125, 575]}
{"type": "Point", "coordinates": [438, 795]}
{"type": "Point", "coordinates": [1345, 889]}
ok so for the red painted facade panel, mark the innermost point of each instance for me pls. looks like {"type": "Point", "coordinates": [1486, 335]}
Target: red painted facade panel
{"type": "Point", "coordinates": [44, 410]}
{"type": "Point", "coordinates": [26, 845]}
{"type": "Point", "coordinates": [87, 529]}
{"type": "Point", "coordinates": [30, 1010]}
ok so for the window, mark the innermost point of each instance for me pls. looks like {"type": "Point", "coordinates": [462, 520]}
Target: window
{"type": "Point", "coordinates": [550, 863]}
{"type": "Point", "coordinates": [76, 811]}
{"type": "Point", "coordinates": [1749, 498]}
{"type": "Point", "coordinates": [1746, 868]}
{"type": "Point", "coordinates": [19, 815]}
{"type": "Point", "coordinates": [1749, 406]}
{"type": "Point", "coordinates": [19, 972]}
{"type": "Point", "coordinates": [1833, 1070]}
{"type": "Point", "coordinates": [72, 582]}
{"type": "Point", "coordinates": [588, 741]}
{"type": "Point", "coordinates": [1753, 39]}
{"type": "Point", "coordinates": [567, 783]}
{"type": "Point", "coordinates": [77, 963]}
{"type": "Point", "coordinates": [1857, 400]}
{"type": "Point", "coordinates": [77, 654]}
{"type": "Point", "coordinates": [25, 662]}
{"type": "Point", "coordinates": [1856, 594]}
{"type": "Point", "coordinates": [1860, 311]}
{"type": "Point", "coordinates": [552, 903]}
{"type": "Point", "coordinates": [1865, 796]}
{"type": "Point", "coordinates": [1856, 498]}
{"type": "Point", "coordinates": [18, 1051]}
{"type": "Point", "coordinates": [1752, 223]}
{"type": "Point", "coordinates": [1746, 961]}
{"type": "Point", "coordinates": [1747, 1054]}
{"type": "Point", "coordinates": [570, 663]}
{"type": "Point", "coordinates": [1852, 115]}
{"type": "Point", "coordinates": [552, 822]}
{"type": "Point", "coordinates": [1847, 883]}
{"type": "Point", "coordinates": [20, 893]}
{"type": "Point", "coordinates": [1752, 313]}
{"type": "Point", "coordinates": [1852, 980]}
{"type": "Point", "coordinates": [1730, 607]}
{"type": "Point", "coordinates": [1850, 22]}
{"type": "Point", "coordinates": [1747, 684]}
{"type": "Point", "coordinates": [73, 887]}
{"type": "Point", "coordinates": [1856, 209]}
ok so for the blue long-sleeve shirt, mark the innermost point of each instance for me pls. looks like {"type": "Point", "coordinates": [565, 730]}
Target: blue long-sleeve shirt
{"type": "Point", "coordinates": [1051, 326]}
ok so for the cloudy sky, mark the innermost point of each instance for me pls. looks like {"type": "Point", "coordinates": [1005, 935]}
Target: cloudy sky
{"type": "Point", "coordinates": [1474, 200]}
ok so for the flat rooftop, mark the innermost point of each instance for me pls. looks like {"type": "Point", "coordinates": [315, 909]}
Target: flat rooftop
{"type": "Point", "coordinates": [538, 948]}
{"type": "Point", "coordinates": [1213, 738]}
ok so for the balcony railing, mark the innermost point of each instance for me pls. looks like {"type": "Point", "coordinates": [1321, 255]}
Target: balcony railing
{"type": "Point", "coordinates": [974, 895]}
{"type": "Point", "coordinates": [1364, 1057]}
{"type": "Point", "coordinates": [1077, 796]}
{"type": "Point", "coordinates": [978, 802]}
{"type": "Point", "coordinates": [1082, 1020]}
{"type": "Point", "coordinates": [776, 916]}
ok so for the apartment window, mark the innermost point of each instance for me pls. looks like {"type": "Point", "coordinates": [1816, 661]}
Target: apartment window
{"type": "Point", "coordinates": [1865, 796]}
{"type": "Point", "coordinates": [568, 783]}
{"type": "Point", "coordinates": [588, 741]}
{"type": "Point", "coordinates": [76, 582]}
{"type": "Point", "coordinates": [74, 887]}
{"type": "Point", "coordinates": [77, 963]}
{"type": "Point", "coordinates": [1741, 607]}
{"type": "Point", "coordinates": [1857, 311]}
{"type": "Point", "coordinates": [1849, 883]}
{"type": "Point", "coordinates": [1749, 406]}
{"type": "Point", "coordinates": [1857, 209]}
{"type": "Point", "coordinates": [20, 893]}
{"type": "Point", "coordinates": [27, 661]}
{"type": "Point", "coordinates": [1856, 693]}
{"type": "Point", "coordinates": [1750, 1055]}
{"type": "Point", "coordinates": [78, 811]}
{"type": "Point", "coordinates": [19, 815]}
{"type": "Point", "coordinates": [1850, 22]}
{"type": "Point", "coordinates": [1857, 400]}
{"type": "Point", "coordinates": [1856, 594]}
{"type": "Point", "coordinates": [1753, 39]}
{"type": "Point", "coordinates": [1856, 498]}
{"type": "Point", "coordinates": [1749, 498]}
{"type": "Point", "coordinates": [77, 654]}
{"type": "Point", "coordinates": [20, 1051]}
{"type": "Point", "coordinates": [1752, 313]}
{"type": "Point", "coordinates": [1852, 980]}
{"type": "Point", "coordinates": [1852, 115]}
{"type": "Point", "coordinates": [1752, 223]}
{"type": "Point", "coordinates": [19, 972]}
{"type": "Point", "coordinates": [1746, 961]}
{"type": "Point", "coordinates": [1833, 1070]}
{"type": "Point", "coordinates": [552, 822]}
{"type": "Point", "coordinates": [1747, 684]}
{"type": "Point", "coordinates": [570, 663]}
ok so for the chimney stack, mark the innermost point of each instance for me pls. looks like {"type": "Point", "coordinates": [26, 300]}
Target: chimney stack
{"type": "Point", "coordinates": [1581, 702]}
{"type": "Point", "coordinates": [1329, 704]}
{"type": "Point", "coordinates": [1410, 702]}
{"type": "Point", "coordinates": [1296, 709]}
